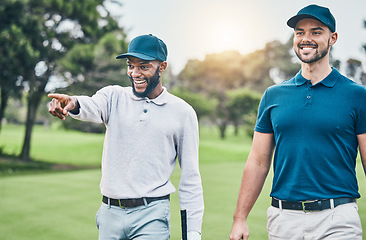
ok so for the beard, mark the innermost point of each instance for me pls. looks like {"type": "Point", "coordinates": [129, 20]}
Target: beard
{"type": "Point", "coordinates": [152, 82]}
{"type": "Point", "coordinates": [318, 55]}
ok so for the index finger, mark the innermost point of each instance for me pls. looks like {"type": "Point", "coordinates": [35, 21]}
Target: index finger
{"type": "Point", "coordinates": [56, 95]}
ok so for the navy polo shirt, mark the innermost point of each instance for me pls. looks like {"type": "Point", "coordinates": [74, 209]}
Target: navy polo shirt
{"type": "Point", "coordinates": [315, 128]}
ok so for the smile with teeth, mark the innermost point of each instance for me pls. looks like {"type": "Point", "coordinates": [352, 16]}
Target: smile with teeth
{"type": "Point", "coordinates": [139, 82]}
{"type": "Point", "coordinates": [307, 46]}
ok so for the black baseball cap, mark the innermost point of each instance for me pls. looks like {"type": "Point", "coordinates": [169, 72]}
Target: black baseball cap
{"type": "Point", "coordinates": [316, 12]}
{"type": "Point", "coordinates": [146, 47]}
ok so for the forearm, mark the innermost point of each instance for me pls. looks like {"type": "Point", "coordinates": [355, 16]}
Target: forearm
{"type": "Point", "coordinates": [191, 199]}
{"type": "Point", "coordinates": [251, 185]}
{"type": "Point", "coordinates": [88, 110]}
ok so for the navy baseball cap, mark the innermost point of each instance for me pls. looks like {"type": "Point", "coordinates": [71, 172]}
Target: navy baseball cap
{"type": "Point", "coordinates": [316, 12]}
{"type": "Point", "coordinates": [146, 47]}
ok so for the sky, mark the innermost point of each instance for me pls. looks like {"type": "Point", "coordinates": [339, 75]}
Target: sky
{"type": "Point", "coordinates": [192, 29]}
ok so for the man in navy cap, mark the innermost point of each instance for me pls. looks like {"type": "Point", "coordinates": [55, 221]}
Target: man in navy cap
{"type": "Point", "coordinates": [147, 129]}
{"type": "Point", "coordinates": [315, 122]}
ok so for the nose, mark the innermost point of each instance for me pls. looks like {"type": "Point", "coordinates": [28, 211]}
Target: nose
{"type": "Point", "coordinates": [135, 72]}
{"type": "Point", "coordinates": [306, 38]}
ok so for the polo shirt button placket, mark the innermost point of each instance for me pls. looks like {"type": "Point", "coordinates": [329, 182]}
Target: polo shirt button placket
{"type": "Point", "coordinates": [309, 94]}
{"type": "Point", "coordinates": [145, 110]}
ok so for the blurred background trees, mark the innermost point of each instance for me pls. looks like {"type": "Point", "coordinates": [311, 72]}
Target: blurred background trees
{"type": "Point", "coordinates": [36, 35]}
{"type": "Point", "coordinates": [235, 82]}
{"type": "Point", "coordinates": [70, 47]}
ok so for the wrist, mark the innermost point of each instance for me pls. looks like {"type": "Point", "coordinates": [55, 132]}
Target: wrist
{"type": "Point", "coordinates": [76, 109]}
{"type": "Point", "coordinates": [240, 218]}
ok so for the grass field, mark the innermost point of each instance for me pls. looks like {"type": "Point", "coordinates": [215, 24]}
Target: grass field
{"type": "Point", "coordinates": [62, 204]}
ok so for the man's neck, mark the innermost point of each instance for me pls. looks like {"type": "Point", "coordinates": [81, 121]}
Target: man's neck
{"type": "Point", "coordinates": [156, 92]}
{"type": "Point", "coordinates": [317, 71]}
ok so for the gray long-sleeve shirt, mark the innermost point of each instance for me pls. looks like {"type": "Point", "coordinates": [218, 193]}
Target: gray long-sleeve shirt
{"type": "Point", "coordinates": [143, 139]}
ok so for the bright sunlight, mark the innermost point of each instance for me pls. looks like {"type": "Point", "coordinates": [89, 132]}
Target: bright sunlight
{"type": "Point", "coordinates": [224, 34]}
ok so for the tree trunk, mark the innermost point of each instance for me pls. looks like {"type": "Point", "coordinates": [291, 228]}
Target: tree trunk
{"type": "Point", "coordinates": [3, 104]}
{"type": "Point", "coordinates": [34, 99]}
{"type": "Point", "coordinates": [222, 128]}
{"type": "Point", "coordinates": [236, 128]}
{"type": "Point", "coordinates": [31, 114]}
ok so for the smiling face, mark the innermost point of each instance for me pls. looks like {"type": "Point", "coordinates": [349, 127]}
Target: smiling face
{"type": "Point", "coordinates": [145, 76]}
{"type": "Point", "coordinates": [313, 40]}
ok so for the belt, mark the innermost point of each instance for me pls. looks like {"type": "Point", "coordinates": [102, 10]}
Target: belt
{"type": "Point", "coordinates": [132, 202]}
{"type": "Point", "coordinates": [317, 205]}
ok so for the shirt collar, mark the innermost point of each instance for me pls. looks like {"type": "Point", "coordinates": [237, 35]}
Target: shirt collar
{"type": "Point", "coordinates": [160, 100]}
{"type": "Point", "coordinates": [328, 81]}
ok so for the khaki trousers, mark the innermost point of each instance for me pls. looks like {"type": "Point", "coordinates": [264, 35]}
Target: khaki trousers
{"type": "Point", "coordinates": [339, 223]}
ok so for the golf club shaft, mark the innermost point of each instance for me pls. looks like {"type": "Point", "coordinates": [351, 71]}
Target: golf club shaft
{"type": "Point", "coordinates": [183, 215]}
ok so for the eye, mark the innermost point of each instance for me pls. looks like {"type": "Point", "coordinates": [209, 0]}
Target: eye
{"type": "Point", "coordinates": [299, 33]}
{"type": "Point", "coordinates": [144, 67]}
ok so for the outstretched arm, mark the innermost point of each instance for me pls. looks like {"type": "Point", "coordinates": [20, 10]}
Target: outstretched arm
{"type": "Point", "coordinates": [255, 173]}
{"type": "Point", "coordinates": [61, 104]}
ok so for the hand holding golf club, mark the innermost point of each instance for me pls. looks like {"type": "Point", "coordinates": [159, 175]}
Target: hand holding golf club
{"type": "Point", "coordinates": [61, 104]}
{"type": "Point", "coordinates": [193, 235]}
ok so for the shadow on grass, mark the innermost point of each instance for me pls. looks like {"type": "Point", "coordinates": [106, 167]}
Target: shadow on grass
{"type": "Point", "coordinates": [12, 165]}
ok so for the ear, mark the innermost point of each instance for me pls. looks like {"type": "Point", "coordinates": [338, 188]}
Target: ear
{"type": "Point", "coordinates": [333, 38]}
{"type": "Point", "coordinates": [163, 66]}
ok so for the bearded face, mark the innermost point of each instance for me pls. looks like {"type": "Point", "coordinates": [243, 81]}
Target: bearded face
{"type": "Point", "coordinates": [150, 82]}
{"type": "Point", "coordinates": [310, 52]}
{"type": "Point", "coordinates": [312, 40]}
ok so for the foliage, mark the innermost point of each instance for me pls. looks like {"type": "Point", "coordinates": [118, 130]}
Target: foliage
{"type": "Point", "coordinates": [354, 68]}
{"type": "Point", "coordinates": [242, 105]}
{"type": "Point", "coordinates": [353, 65]}
{"type": "Point", "coordinates": [89, 67]}
{"type": "Point", "coordinates": [15, 50]}
{"type": "Point", "coordinates": [37, 34]}
{"type": "Point", "coordinates": [218, 74]}
{"type": "Point", "coordinates": [201, 104]}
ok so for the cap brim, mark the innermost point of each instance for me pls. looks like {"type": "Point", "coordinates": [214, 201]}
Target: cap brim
{"type": "Point", "coordinates": [136, 55]}
{"type": "Point", "coordinates": [295, 19]}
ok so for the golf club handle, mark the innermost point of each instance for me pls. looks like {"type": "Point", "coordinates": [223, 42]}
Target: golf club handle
{"type": "Point", "coordinates": [183, 216]}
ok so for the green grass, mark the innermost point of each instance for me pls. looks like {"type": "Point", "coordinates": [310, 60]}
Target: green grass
{"type": "Point", "coordinates": [54, 145]}
{"type": "Point", "coordinates": [62, 204]}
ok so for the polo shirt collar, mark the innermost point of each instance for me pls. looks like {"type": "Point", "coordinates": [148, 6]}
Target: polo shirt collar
{"type": "Point", "coordinates": [160, 100]}
{"type": "Point", "coordinates": [329, 81]}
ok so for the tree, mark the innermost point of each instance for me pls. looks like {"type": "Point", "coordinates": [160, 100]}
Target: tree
{"type": "Point", "coordinates": [211, 78]}
{"type": "Point", "coordinates": [242, 102]}
{"type": "Point", "coordinates": [220, 73]}
{"type": "Point", "coordinates": [88, 67]}
{"type": "Point", "coordinates": [49, 29]}
{"type": "Point", "coordinates": [15, 51]}
{"type": "Point", "coordinates": [202, 105]}
{"type": "Point", "coordinates": [354, 69]}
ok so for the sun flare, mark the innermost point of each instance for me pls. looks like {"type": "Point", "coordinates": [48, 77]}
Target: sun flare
{"type": "Point", "coordinates": [226, 34]}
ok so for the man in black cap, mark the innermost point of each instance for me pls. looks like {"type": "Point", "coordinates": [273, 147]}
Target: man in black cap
{"type": "Point", "coordinates": [315, 123]}
{"type": "Point", "coordinates": [147, 129]}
